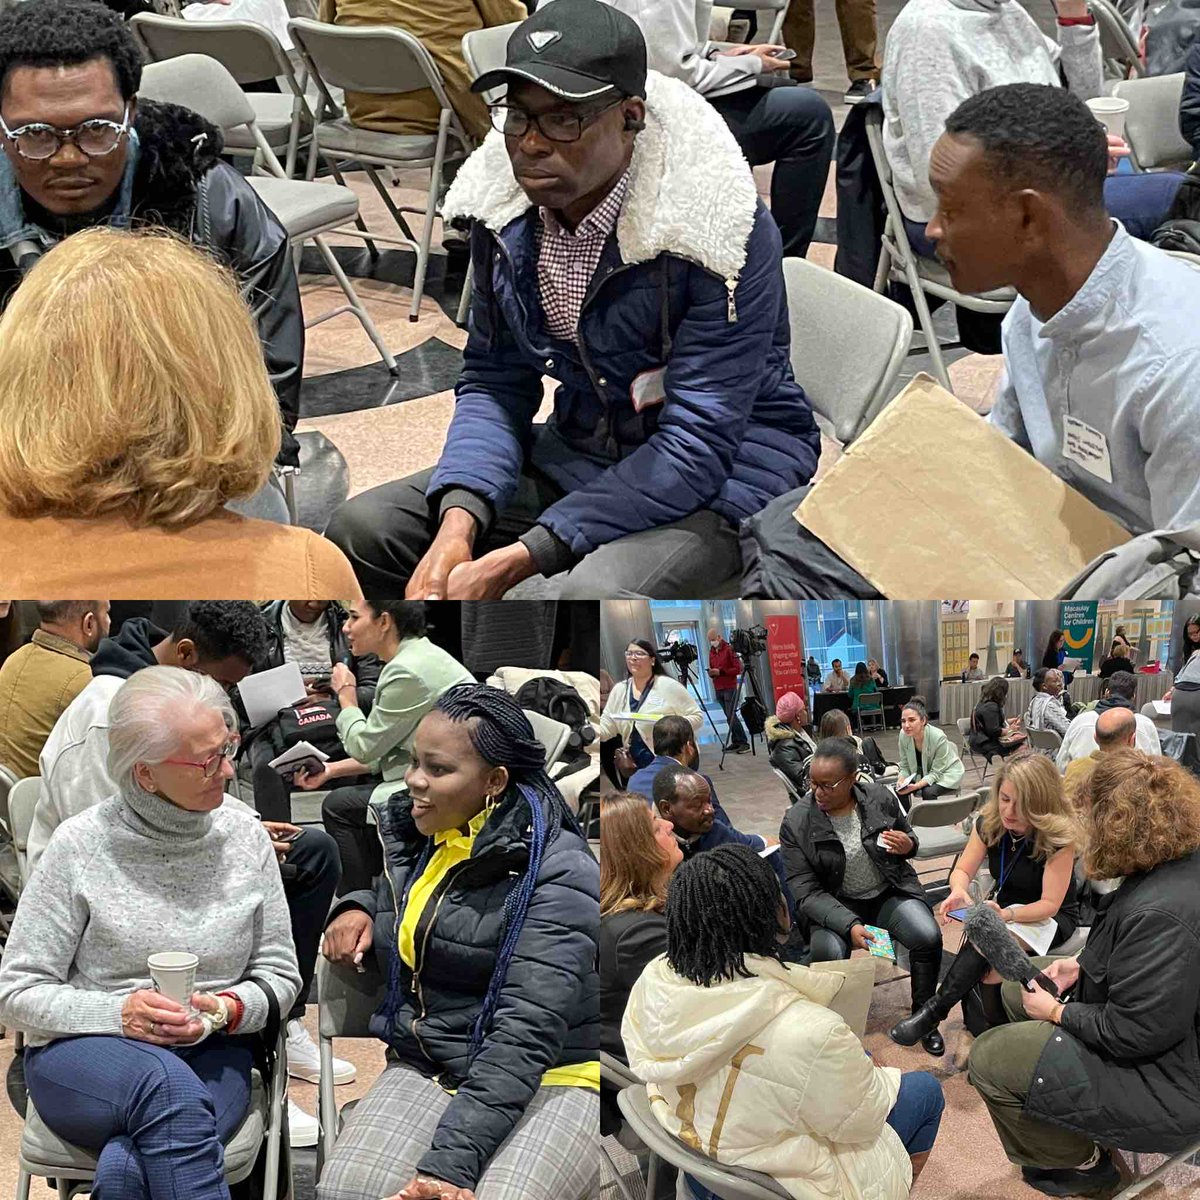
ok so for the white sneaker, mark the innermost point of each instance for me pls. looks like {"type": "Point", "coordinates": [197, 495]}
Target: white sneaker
{"type": "Point", "coordinates": [303, 1129]}
{"type": "Point", "coordinates": [304, 1060]}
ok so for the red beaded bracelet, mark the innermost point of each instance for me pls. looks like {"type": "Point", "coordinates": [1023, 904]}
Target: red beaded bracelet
{"type": "Point", "coordinates": [239, 1010]}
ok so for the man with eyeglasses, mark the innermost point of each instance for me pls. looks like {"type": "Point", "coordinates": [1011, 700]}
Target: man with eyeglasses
{"type": "Point", "coordinates": [620, 248]}
{"type": "Point", "coordinates": [225, 640]}
{"type": "Point", "coordinates": [80, 150]}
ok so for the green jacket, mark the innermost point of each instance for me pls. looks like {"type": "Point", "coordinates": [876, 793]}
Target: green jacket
{"type": "Point", "coordinates": [409, 686]}
{"type": "Point", "coordinates": [939, 758]}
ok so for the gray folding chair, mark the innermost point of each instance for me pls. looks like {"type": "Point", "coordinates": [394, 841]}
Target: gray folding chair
{"type": "Point", "coordinates": [10, 879]}
{"type": "Point", "coordinates": [22, 800]}
{"type": "Point", "coordinates": [939, 828]}
{"type": "Point", "coordinates": [899, 263]}
{"type": "Point", "coordinates": [381, 60]}
{"type": "Point", "coordinates": [963, 725]}
{"type": "Point", "coordinates": [1152, 123]}
{"type": "Point", "coordinates": [262, 1132]}
{"type": "Point", "coordinates": [305, 209]}
{"type": "Point", "coordinates": [1043, 740]}
{"type": "Point", "coordinates": [1118, 44]}
{"type": "Point", "coordinates": [1142, 1183]}
{"type": "Point", "coordinates": [868, 713]}
{"type": "Point", "coordinates": [793, 795]}
{"type": "Point", "coordinates": [771, 15]}
{"type": "Point", "coordinates": [822, 306]}
{"type": "Point", "coordinates": [730, 1183]}
{"type": "Point", "coordinates": [346, 1002]}
{"type": "Point", "coordinates": [484, 50]}
{"type": "Point", "coordinates": [249, 52]}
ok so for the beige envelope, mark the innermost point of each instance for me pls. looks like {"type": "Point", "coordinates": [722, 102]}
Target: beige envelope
{"type": "Point", "coordinates": [932, 501]}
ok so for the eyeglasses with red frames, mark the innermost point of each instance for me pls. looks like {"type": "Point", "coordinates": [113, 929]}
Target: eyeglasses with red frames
{"type": "Point", "coordinates": [212, 764]}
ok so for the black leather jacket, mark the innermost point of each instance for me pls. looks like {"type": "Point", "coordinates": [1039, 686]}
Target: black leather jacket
{"type": "Point", "coordinates": [182, 184]}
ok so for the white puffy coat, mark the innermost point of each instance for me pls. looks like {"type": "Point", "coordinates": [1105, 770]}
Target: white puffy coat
{"type": "Point", "coordinates": [760, 1073]}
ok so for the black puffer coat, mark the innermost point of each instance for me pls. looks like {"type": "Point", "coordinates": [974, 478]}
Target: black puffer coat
{"type": "Point", "coordinates": [548, 1014]}
{"type": "Point", "coordinates": [815, 860]}
{"type": "Point", "coordinates": [1125, 1070]}
{"type": "Point", "coordinates": [182, 184]}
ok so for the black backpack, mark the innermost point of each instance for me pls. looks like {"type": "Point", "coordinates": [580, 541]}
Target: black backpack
{"type": "Point", "coordinates": [560, 702]}
{"type": "Point", "coordinates": [754, 713]}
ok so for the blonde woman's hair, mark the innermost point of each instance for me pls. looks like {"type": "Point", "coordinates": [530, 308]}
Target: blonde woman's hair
{"type": "Point", "coordinates": [1142, 811]}
{"type": "Point", "coordinates": [1041, 804]}
{"type": "Point", "coordinates": [132, 382]}
{"type": "Point", "coordinates": [634, 871]}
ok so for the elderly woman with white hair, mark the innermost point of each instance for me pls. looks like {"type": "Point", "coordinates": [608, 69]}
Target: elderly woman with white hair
{"type": "Point", "coordinates": [165, 864]}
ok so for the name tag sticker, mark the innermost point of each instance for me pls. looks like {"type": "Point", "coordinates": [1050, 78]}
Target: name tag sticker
{"type": "Point", "coordinates": [648, 388]}
{"type": "Point", "coordinates": [1087, 447]}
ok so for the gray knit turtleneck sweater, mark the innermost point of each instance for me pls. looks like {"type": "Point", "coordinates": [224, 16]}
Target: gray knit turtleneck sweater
{"type": "Point", "coordinates": [132, 876]}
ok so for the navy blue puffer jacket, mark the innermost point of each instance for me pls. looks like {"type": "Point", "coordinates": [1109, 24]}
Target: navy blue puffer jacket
{"type": "Point", "coordinates": [688, 300]}
{"type": "Point", "coordinates": [548, 1014]}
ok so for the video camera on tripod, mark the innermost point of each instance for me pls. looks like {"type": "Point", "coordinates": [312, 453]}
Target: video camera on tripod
{"type": "Point", "coordinates": [681, 653]}
{"type": "Point", "coordinates": [749, 642]}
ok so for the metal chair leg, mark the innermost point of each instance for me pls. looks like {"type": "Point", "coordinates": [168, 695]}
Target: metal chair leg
{"type": "Point", "coordinates": [335, 269]}
{"type": "Point", "coordinates": [464, 301]}
{"type": "Point", "coordinates": [431, 202]}
{"type": "Point", "coordinates": [622, 1186]}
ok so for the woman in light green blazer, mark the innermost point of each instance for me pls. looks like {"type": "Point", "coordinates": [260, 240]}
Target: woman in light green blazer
{"type": "Point", "coordinates": [415, 674]}
{"type": "Point", "coordinates": [927, 755]}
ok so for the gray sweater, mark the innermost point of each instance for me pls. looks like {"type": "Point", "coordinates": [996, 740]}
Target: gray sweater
{"type": "Point", "coordinates": [941, 52]}
{"type": "Point", "coordinates": [132, 876]}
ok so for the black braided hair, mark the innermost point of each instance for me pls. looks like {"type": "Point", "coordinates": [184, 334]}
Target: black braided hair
{"type": "Point", "coordinates": [722, 904]}
{"type": "Point", "coordinates": [503, 736]}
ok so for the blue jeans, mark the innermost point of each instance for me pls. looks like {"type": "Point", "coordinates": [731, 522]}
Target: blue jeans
{"type": "Point", "coordinates": [917, 1112]}
{"type": "Point", "coordinates": [1139, 202]}
{"type": "Point", "coordinates": [156, 1117]}
{"type": "Point", "coordinates": [915, 1116]}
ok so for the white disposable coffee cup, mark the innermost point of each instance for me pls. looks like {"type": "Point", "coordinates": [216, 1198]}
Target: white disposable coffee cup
{"type": "Point", "coordinates": [1110, 112]}
{"type": "Point", "coordinates": [174, 975]}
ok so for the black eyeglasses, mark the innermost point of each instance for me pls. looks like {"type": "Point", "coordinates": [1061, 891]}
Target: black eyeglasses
{"type": "Point", "coordinates": [553, 126]}
{"type": "Point", "coordinates": [95, 138]}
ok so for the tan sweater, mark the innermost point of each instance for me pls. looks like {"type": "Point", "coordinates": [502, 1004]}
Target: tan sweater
{"type": "Point", "coordinates": [221, 556]}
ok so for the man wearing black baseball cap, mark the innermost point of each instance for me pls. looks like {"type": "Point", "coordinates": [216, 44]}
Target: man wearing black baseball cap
{"type": "Point", "coordinates": [620, 248]}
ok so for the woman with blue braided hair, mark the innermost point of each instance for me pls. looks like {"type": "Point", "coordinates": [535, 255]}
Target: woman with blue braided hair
{"type": "Point", "coordinates": [485, 923]}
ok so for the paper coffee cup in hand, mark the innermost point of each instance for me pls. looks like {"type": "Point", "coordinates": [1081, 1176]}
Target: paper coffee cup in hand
{"type": "Point", "coordinates": [174, 975]}
{"type": "Point", "coordinates": [1110, 112]}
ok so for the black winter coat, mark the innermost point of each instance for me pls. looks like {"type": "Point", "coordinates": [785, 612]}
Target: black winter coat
{"type": "Point", "coordinates": [788, 752]}
{"type": "Point", "coordinates": [1125, 1070]}
{"type": "Point", "coordinates": [366, 669]}
{"type": "Point", "coordinates": [182, 184]}
{"type": "Point", "coordinates": [1189, 108]}
{"type": "Point", "coordinates": [815, 860]}
{"type": "Point", "coordinates": [548, 1014]}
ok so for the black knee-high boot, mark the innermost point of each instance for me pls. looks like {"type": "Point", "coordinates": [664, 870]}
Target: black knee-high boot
{"type": "Point", "coordinates": [924, 971]}
{"type": "Point", "coordinates": [967, 969]}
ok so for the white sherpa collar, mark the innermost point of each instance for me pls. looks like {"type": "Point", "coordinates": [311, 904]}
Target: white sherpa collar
{"type": "Point", "coordinates": [691, 193]}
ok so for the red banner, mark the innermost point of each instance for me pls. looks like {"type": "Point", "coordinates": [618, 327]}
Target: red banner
{"type": "Point", "coordinates": [785, 655]}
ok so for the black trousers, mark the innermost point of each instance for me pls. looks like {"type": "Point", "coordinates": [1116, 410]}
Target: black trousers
{"type": "Point", "coordinates": [910, 922]}
{"type": "Point", "coordinates": [737, 734]}
{"type": "Point", "coordinates": [358, 846]}
{"type": "Point", "coordinates": [310, 875]}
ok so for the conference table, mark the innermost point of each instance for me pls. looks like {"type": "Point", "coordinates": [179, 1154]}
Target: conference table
{"type": "Point", "coordinates": [959, 699]}
{"type": "Point", "coordinates": [894, 699]}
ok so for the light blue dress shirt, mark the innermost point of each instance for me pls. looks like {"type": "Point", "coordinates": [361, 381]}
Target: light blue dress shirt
{"type": "Point", "coordinates": [1124, 357]}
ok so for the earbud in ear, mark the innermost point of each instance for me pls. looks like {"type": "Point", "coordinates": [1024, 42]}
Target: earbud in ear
{"type": "Point", "coordinates": [632, 124]}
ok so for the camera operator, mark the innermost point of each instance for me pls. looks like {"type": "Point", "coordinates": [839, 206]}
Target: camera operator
{"type": "Point", "coordinates": [724, 667]}
{"type": "Point", "coordinates": [647, 689]}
